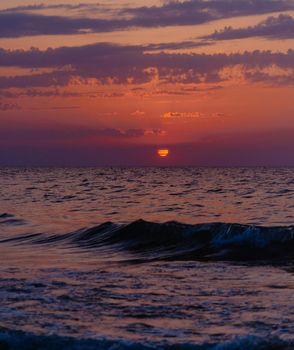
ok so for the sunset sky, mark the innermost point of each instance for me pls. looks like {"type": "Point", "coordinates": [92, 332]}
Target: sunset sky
{"type": "Point", "coordinates": [103, 84]}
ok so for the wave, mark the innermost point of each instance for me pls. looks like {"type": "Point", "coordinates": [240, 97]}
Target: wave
{"type": "Point", "coordinates": [17, 340]}
{"type": "Point", "coordinates": [176, 241]}
{"type": "Point", "coordinates": [5, 215]}
{"type": "Point", "coordinates": [9, 219]}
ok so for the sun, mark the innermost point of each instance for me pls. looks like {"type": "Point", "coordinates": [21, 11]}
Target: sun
{"type": "Point", "coordinates": [163, 152]}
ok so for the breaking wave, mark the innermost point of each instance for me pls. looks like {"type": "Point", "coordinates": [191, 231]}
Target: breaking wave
{"type": "Point", "coordinates": [176, 241]}
{"type": "Point", "coordinates": [14, 340]}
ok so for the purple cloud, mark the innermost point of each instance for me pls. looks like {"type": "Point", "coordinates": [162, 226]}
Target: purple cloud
{"type": "Point", "coordinates": [281, 27]}
{"type": "Point", "coordinates": [25, 21]}
{"type": "Point", "coordinates": [118, 64]}
{"type": "Point", "coordinates": [200, 11]}
{"type": "Point", "coordinates": [19, 24]}
{"type": "Point", "coordinates": [44, 133]}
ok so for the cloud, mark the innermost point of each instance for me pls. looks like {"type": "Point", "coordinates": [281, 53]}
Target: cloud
{"type": "Point", "coordinates": [82, 132]}
{"type": "Point", "coordinates": [155, 132]}
{"type": "Point", "coordinates": [53, 108]}
{"type": "Point", "coordinates": [180, 115]}
{"type": "Point", "coordinates": [190, 115]}
{"type": "Point", "coordinates": [19, 24]}
{"type": "Point", "coordinates": [177, 45]}
{"type": "Point", "coordinates": [25, 21]}
{"type": "Point", "coordinates": [200, 11]}
{"type": "Point", "coordinates": [113, 64]}
{"type": "Point", "coordinates": [39, 93]}
{"type": "Point", "coordinates": [49, 132]}
{"type": "Point", "coordinates": [61, 78]}
{"type": "Point", "coordinates": [38, 7]}
{"type": "Point", "coordinates": [4, 106]}
{"type": "Point", "coordinates": [138, 113]}
{"type": "Point", "coordinates": [280, 27]}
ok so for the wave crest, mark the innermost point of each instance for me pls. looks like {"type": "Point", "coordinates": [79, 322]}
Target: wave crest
{"type": "Point", "coordinates": [13, 340]}
{"type": "Point", "coordinates": [177, 241]}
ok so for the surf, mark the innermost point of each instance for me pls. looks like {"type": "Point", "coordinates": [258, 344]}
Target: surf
{"type": "Point", "coordinates": [151, 241]}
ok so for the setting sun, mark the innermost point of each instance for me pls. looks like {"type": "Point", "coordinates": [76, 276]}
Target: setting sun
{"type": "Point", "coordinates": [141, 138]}
{"type": "Point", "coordinates": [163, 152]}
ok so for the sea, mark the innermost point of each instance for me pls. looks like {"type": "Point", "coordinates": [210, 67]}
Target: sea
{"type": "Point", "coordinates": [147, 258]}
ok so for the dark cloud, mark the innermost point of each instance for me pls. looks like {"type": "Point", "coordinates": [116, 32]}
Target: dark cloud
{"type": "Point", "coordinates": [113, 64]}
{"type": "Point", "coordinates": [60, 78]}
{"type": "Point", "coordinates": [100, 55]}
{"type": "Point", "coordinates": [200, 11]}
{"type": "Point", "coordinates": [278, 80]}
{"type": "Point", "coordinates": [39, 93]}
{"type": "Point", "coordinates": [38, 7]}
{"type": "Point", "coordinates": [19, 24]}
{"type": "Point", "coordinates": [25, 21]}
{"type": "Point", "coordinates": [105, 57]}
{"type": "Point", "coordinates": [44, 133]}
{"type": "Point", "coordinates": [177, 45]}
{"type": "Point", "coordinates": [280, 27]}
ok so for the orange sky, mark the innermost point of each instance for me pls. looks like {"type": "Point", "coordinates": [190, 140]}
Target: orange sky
{"type": "Point", "coordinates": [109, 85]}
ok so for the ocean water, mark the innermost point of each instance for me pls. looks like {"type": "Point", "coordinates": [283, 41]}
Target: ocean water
{"type": "Point", "coordinates": [147, 258]}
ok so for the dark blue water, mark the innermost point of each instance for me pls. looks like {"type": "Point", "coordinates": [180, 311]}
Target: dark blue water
{"type": "Point", "coordinates": [147, 258]}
